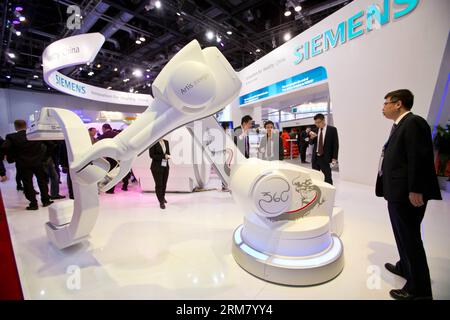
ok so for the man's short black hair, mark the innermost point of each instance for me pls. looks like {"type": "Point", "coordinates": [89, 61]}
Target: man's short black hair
{"type": "Point", "coordinates": [319, 116]}
{"type": "Point", "coordinates": [246, 119]}
{"type": "Point", "coordinates": [92, 128]}
{"type": "Point", "coordinates": [403, 95]}
{"type": "Point", "coordinates": [106, 126]}
{"type": "Point", "coordinates": [269, 122]}
{"type": "Point", "coordinates": [20, 124]}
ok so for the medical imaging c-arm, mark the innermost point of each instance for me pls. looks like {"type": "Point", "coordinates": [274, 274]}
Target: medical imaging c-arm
{"type": "Point", "coordinates": [284, 204]}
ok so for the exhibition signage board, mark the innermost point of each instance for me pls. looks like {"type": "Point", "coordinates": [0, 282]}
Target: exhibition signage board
{"type": "Point", "coordinates": [293, 83]}
{"type": "Point", "coordinates": [353, 27]}
{"type": "Point", "coordinates": [80, 50]}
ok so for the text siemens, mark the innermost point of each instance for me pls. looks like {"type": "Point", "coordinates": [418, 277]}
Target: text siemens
{"type": "Point", "coordinates": [76, 87]}
{"type": "Point", "coordinates": [352, 28]}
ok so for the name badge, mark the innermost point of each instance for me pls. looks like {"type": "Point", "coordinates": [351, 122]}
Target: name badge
{"type": "Point", "coordinates": [164, 163]}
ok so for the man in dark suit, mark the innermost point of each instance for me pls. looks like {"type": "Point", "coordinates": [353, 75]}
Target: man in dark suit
{"type": "Point", "coordinates": [3, 176]}
{"type": "Point", "coordinates": [303, 143]}
{"type": "Point", "coordinates": [241, 139]}
{"type": "Point", "coordinates": [326, 146]}
{"type": "Point", "coordinates": [29, 157]}
{"type": "Point", "coordinates": [407, 180]}
{"type": "Point", "coordinates": [108, 133]}
{"type": "Point", "coordinates": [160, 155]}
{"type": "Point", "coordinates": [271, 145]}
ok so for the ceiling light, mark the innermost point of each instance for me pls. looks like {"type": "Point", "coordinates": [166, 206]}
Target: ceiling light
{"type": "Point", "coordinates": [80, 68]}
{"type": "Point", "coordinates": [148, 70]}
{"type": "Point", "coordinates": [287, 36]}
{"type": "Point", "coordinates": [209, 35]}
{"type": "Point", "coordinates": [22, 18]}
{"type": "Point", "coordinates": [99, 65]}
{"type": "Point", "coordinates": [8, 77]}
{"type": "Point", "coordinates": [149, 85]}
{"type": "Point", "coordinates": [142, 39]}
{"type": "Point", "coordinates": [287, 13]}
{"type": "Point", "coordinates": [18, 9]}
{"type": "Point", "coordinates": [136, 91]}
{"type": "Point", "coordinates": [115, 69]}
{"type": "Point", "coordinates": [18, 33]}
{"type": "Point", "coordinates": [91, 73]}
{"type": "Point", "coordinates": [35, 76]}
{"type": "Point", "coordinates": [258, 50]}
{"type": "Point", "coordinates": [16, 22]}
{"type": "Point", "coordinates": [29, 86]}
{"type": "Point", "coordinates": [137, 73]}
{"type": "Point", "coordinates": [126, 80]}
{"type": "Point", "coordinates": [147, 76]}
{"type": "Point", "coordinates": [131, 90]}
{"type": "Point", "coordinates": [138, 41]}
{"type": "Point", "coordinates": [158, 4]}
{"type": "Point", "coordinates": [48, 88]}
{"type": "Point", "coordinates": [178, 14]}
{"type": "Point", "coordinates": [229, 33]}
{"type": "Point", "coordinates": [218, 39]}
{"type": "Point", "coordinates": [11, 55]}
{"type": "Point", "coordinates": [298, 8]}
{"type": "Point", "coordinates": [109, 88]}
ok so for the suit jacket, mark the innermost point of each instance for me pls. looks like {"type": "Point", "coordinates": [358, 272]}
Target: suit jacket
{"type": "Point", "coordinates": [25, 153]}
{"type": "Point", "coordinates": [408, 164]}
{"type": "Point", "coordinates": [240, 143]}
{"type": "Point", "coordinates": [2, 156]}
{"type": "Point", "coordinates": [157, 155]}
{"type": "Point", "coordinates": [277, 147]}
{"type": "Point", "coordinates": [330, 146]}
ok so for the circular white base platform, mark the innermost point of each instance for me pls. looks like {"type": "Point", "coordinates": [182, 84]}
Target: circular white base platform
{"type": "Point", "coordinates": [295, 271]}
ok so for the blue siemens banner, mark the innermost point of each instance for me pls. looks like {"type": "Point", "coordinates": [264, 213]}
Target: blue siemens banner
{"type": "Point", "coordinates": [299, 81]}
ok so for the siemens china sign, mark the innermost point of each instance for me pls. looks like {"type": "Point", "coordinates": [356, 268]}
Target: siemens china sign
{"type": "Point", "coordinates": [353, 28]}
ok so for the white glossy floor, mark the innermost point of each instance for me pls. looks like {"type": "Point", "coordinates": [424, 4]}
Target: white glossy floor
{"type": "Point", "coordinates": [138, 251]}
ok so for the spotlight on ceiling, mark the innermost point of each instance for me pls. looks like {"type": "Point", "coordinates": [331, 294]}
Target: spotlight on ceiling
{"type": "Point", "coordinates": [29, 86]}
{"type": "Point", "coordinates": [230, 32]}
{"type": "Point", "coordinates": [258, 50]}
{"type": "Point", "coordinates": [137, 73]}
{"type": "Point", "coordinates": [18, 33]}
{"type": "Point", "coordinates": [22, 18]}
{"type": "Point", "coordinates": [115, 69]}
{"type": "Point", "coordinates": [91, 73]}
{"type": "Point", "coordinates": [218, 39]}
{"type": "Point", "coordinates": [99, 65]}
{"type": "Point", "coordinates": [287, 36]}
{"type": "Point", "coordinates": [209, 35]}
{"type": "Point", "coordinates": [11, 55]}
{"type": "Point", "coordinates": [287, 13]}
{"type": "Point", "coordinates": [109, 88]}
{"type": "Point", "coordinates": [298, 8]}
{"type": "Point", "coordinates": [138, 41]}
{"type": "Point", "coordinates": [8, 77]}
{"type": "Point", "coordinates": [35, 76]}
{"type": "Point", "coordinates": [158, 4]}
{"type": "Point", "coordinates": [142, 39]}
{"type": "Point", "coordinates": [18, 9]}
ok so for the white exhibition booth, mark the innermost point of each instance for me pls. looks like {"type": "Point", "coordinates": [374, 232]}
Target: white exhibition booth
{"type": "Point", "coordinates": [291, 229]}
{"type": "Point", "coordinates": [367, 48]}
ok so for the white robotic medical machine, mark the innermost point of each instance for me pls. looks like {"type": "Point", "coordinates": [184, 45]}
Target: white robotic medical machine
{"type": "Point", "coordinates": [290, 233]}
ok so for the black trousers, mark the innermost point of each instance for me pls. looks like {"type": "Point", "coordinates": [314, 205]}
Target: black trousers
{"type": "Point", "coordinates": [19, 183]}
{"type": "Point", "coordinates": [26, 174]}
{"type": "Point", "coordinates": [406, 220]}
{"type": "Point", "coordinates": [126, 180]}
{"type": "Point", "coordinates": [160, 175]}
{"type": "Point", "coordinates": [303, 147]}
{"type": "Point", "coordinates": [321, 164]}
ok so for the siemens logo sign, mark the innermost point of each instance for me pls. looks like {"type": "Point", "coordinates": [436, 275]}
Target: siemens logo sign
{"type": "Point", "coordinates": [353, 28]}
{"type": "Point", "coordinates": [76, 87]}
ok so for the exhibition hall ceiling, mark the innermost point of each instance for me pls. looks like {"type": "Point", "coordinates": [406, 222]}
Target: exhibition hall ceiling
{"type": "Point", "coordinates": [142, 35]}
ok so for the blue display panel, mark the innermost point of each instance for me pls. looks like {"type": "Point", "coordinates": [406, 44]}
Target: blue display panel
{"type": "Point", "coordinates": [298, 81]}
